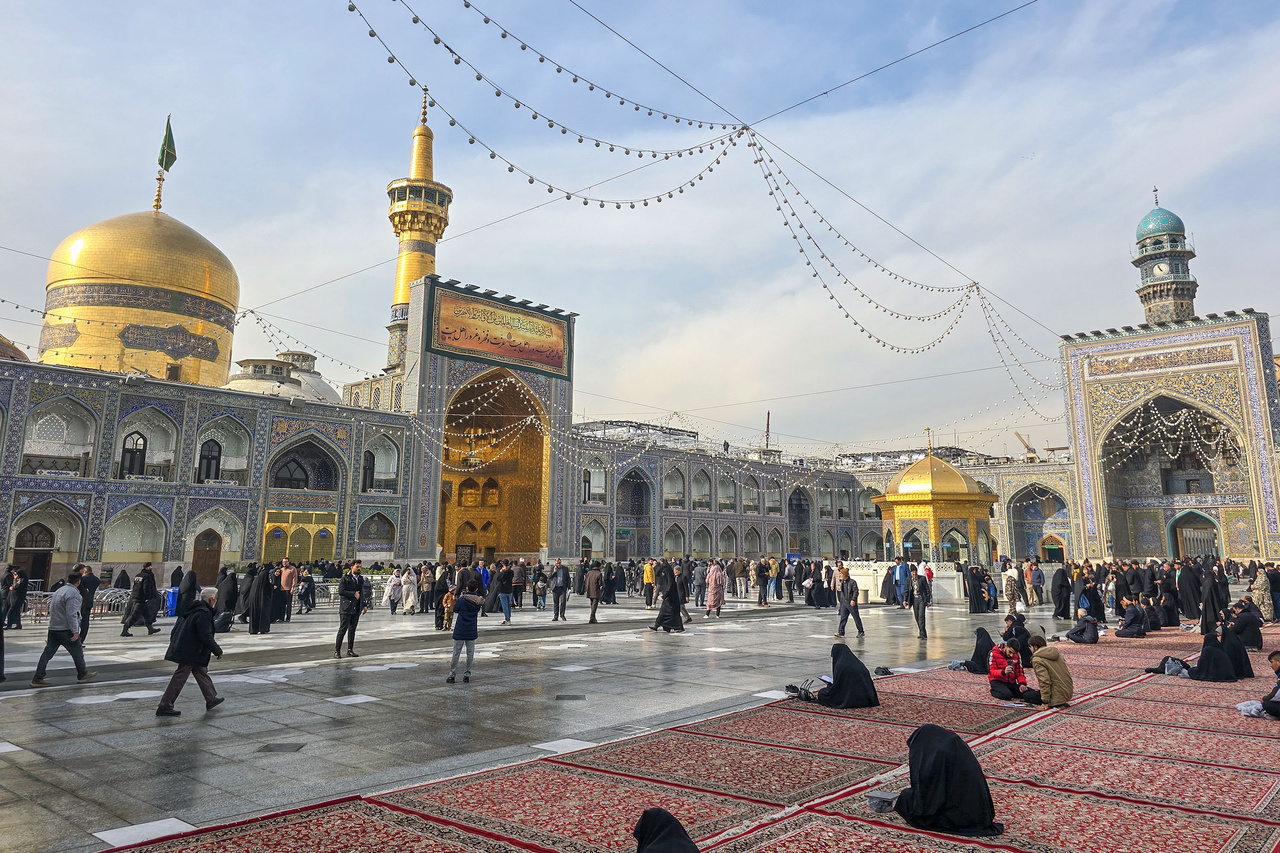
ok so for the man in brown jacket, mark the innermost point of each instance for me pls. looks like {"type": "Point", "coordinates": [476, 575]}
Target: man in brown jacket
{"type": "Point", "coordinates": [594, 586]}
{"type": "Point", "coordinates": [1056, 688]}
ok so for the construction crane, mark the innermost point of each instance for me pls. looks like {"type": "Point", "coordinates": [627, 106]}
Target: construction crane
{"type": "Point", "coordinates": [1030, 455]}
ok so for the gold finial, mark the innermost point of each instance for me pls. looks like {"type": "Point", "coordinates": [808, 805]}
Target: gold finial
{"type": "Point", "coordinates": [425, 98]}
{"type": "Point", "coordinates": [1155, 191]}
{"type": "Point", "coordinates": [159, 186]}
{"type": "Point", "coordinates": [928, 437]}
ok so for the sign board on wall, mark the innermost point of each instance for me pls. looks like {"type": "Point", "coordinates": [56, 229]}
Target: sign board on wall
{"type": "Point", "coordinates": [469, 325]}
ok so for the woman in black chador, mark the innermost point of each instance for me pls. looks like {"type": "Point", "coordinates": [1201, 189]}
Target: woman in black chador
{"type": "Point", "coordinates": [981, 652]}
{"type": "Point", "coordinates": [851, 685]}
{"type": "Point", "coordinates": [260, 595]}
{"type": "Point", "coordinates": [948, 792]}
{"type": "Point", "coordinates": [658, 831]}
{"type": "Point", "coordinates": [673, 595]}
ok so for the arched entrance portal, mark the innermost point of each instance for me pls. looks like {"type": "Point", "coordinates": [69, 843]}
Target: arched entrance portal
{"type": "Point", "coordinates": [1052, 550]}
{"type": "Point", "coordinates": [496, 443]}
{"type": "Point", "coordinates": [634, 498]}
{"type": "Point", "coordinates": [1193, 535]}
{"type": "Point", "coordinates": [798, 516]}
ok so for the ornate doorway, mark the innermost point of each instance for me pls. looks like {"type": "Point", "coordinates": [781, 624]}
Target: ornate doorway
{"type": "Point", "coordinates": [206, 556]}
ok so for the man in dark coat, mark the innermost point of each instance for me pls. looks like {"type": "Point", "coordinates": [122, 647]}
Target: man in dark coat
{"type": "Point", "coordinates": [16, 587]}
{"type": "Point", "coordinates": [140, 598]}
{"type": "Point", "coordinates": [919, 596]}
{"type": "Point", "coordinates": [190, 645]}
{"type": "Point", "coordinates": [350, 595]}
{"type": "Point", "coordinates": [560, 585]}
{"type": "Point", "coordinates": [89, 583]}
{"type": "Point", "coordinates": [188, 590]}
{"type": "Point", "coordinates": [593, 586]}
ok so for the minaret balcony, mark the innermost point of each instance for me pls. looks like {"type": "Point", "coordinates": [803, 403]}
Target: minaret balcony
{"type": "Point", "coordinates": [1171, 277]}
{"type": "Point", "coordinates": [1183, 248]}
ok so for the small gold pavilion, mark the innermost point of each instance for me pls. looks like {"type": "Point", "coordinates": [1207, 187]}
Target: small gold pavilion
{"type": "Point", "coordinates": [934, 511]}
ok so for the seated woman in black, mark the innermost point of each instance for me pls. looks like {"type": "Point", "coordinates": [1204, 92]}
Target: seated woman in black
{"type": "Point", "coordinates": [1016, 629]}
{"type": "Point", "coordinates": [1134, 620]}
{"type": "Point", "coordinates": [1213, 665]}
{"type": "Point", "coordinates": [981, 652]}
{"type": "Point", "coordinates": [1152, 614]}
{"type": "Point", "coordinates": [1240, 663]}
{"type": "Point", "coordinates": [1246, 625]}
{"type": "Point", "coordinates": [850, 687]}
{"type": "Point", "coordinates": [948, 792]}
{"type": "Point", "coordinates": [658, 831]}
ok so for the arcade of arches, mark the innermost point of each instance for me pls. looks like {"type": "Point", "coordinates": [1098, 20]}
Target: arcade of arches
{"type": "Point", "coordinates": [1171, 473]}
{"type": "Point", "coordinates": [494, 480]}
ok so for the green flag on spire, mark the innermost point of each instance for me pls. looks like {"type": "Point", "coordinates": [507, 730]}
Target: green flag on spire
{"type": "Point", "coordinates": [168, 153]}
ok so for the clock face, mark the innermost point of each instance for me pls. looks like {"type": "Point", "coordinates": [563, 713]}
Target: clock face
{"type": "Point", "coordinates": [1160, 269]}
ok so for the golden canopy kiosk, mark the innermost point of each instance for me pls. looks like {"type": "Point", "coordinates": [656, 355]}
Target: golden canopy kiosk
{"type": "Point", "coordinates": [934, 512]}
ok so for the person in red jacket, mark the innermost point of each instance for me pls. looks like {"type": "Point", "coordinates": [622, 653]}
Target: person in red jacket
{"type": "Point", "coordinates": [1008, 681]}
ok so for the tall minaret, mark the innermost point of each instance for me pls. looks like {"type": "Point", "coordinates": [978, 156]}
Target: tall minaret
{"type": "Point", "coordinates": [419, 213]}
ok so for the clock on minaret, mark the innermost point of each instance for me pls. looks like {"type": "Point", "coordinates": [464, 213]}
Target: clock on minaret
{"type": "Point", "coordinates": [1168, 289]}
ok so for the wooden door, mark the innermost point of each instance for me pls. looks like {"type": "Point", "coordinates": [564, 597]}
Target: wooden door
{"type": "Point", "coordinates": [206, 557]}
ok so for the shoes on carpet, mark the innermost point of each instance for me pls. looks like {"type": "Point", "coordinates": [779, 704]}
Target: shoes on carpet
{"type": "Point", "coordinates": [40, 682]}
{"type": "Point", "coordinates": [214, 702]}
{"type": "Point", "coordinates": [168, 712]}
{"type": "Point", "coordinates": [88, 676]}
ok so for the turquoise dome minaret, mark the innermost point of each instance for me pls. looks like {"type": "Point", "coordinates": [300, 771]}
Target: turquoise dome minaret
{"type": "Point", "coordinates": [1168, 289]}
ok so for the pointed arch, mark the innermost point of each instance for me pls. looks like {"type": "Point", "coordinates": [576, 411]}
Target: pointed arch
{"type": "Point", "coordinates": [137, 530]}
{"type": "Point", "coordinates": [773, 497]}
{"type": "Point", "coordinates": [59, 436]}
{"type": "Point", "coordinates": [844, 546]}
{"type": "Point", "coordinates": [752, 497]}
{"type": "Point", "coordinates": [728, 544]}
{"type": "Point", "coordinates": [872, 546]}
{"type": "Point", "coordinates": [490, 492]}
{"type": "Point", "coordinates": [594, 540]}
{"type": "Point", "coordinates": [594, 487]}
{"type": "Point", "coordinates": [700, 490]}
{"type": "Point", "coordinates": [308, 462]}
{"type": "Point", "coordinates": [224, 449]}
{"type": "Point", "coordinates": [701, 543]}
{"type": "Point", "coordinates": [673, 542]}
{"type": "Point", "coordinates": [149, 444]}
{"type": "Point", "coordinates": [775, 543]}
{"type": "Point", "coordinates": [376, 533]}
{"type": "Point", "coordinates": [222, 522]}
{"type": "Point", "coordinates": [673, 489]}
{"type": "Point", "coordinates": [726, 494]}
{"type": "Point", "coordinates": [751, 544]}
{"type": "Point", "coordinates": [828, 544]}
{"type": "Point", "coordinates": [635, 491]}
{"type": "Point", "coordinates": [381, 465]}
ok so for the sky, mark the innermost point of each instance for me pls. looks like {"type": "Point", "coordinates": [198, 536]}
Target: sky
{"type": "Point", "coordinates": [1021, 155]}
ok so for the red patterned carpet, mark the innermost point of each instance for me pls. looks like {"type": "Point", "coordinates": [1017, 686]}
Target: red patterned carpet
{"type": "Point", "coordinates": [1162, 764]}
{"type": "Point", "coordinates": [764, 773]}
{"type": "Point", "coordinates": [963, 717]}
{"type": "Point", "coordinates": [821, 732]}
{"type": "Point", "coordinates": [567, 808]}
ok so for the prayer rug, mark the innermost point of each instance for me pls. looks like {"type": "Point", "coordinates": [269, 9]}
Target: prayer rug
{"type": "Point", "coordinates": [1155, 739]}
{"type": "Point", "coordinates": [1046, 821]}
{"type": "Point", "coordinates": [820, 732]}
{"type": "Point", "coordinates": [1222, 790]}
{"type": "Point", "coordinates": [961, 717]}
{"type": "Point", "coordinates": [763, 773]}
{"type": "Point", "coordinates": [567, 808]}
{"type": "Point", "coordinates": [972, 688]}
{"type": "Point", "coordinates": [353, 826]}
{"type": "Point", "coordinates": [813, 833]}
{"type": "Point", "coordinates": [1186, 691]}
{"type": "Point", "coordinates": [1221, 718]}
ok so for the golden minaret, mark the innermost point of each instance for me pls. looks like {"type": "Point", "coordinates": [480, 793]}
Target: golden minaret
{"type": "Point", "coordinates": [419, 213]}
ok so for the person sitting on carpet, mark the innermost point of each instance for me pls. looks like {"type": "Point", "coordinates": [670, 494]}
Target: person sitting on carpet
{"type": "Point", "coordinates": [1240, 663]}
{"type": "Point", "coordinates": [1132, 626]}
{"type": "Point", "coordinates": [1246, 625]}
{"type": "Point", "coordinates": [1151, 613]}
{"type": "Point", "coordinates": [851, 685]}
{"type": "Point", "coordinates": [1213, 665]}
{"type": "Point", "coordinates": [1271, 702]}
{"type": "Point", "coordinates": [1086, 630]}
{"type": "Point", "coordinates": [1008, 681]}
{"type": "Point", "coordinates": [658, 831]}
{"type": "Point", "coordinates": [982, 647]}
{"type": "Point", "coordinates": [948, 792]}
{"type": "Point", "coordinates": [1016, 629]}
{"type": "Point", "coordinates": [1052, 674]}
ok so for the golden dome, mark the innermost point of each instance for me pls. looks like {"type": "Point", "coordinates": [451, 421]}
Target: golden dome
{"type": "Point", "coordinates": [9, 350]}
{"type": "Point", "coordinates": [147, 248]}
{"type": "Point", "coordinates": [932, 476]}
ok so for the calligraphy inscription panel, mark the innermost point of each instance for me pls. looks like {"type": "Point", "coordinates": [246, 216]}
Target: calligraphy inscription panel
{"type": "Point", "coordinates": [476, 327]}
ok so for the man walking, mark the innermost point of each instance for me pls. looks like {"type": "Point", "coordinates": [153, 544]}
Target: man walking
{"type": "Point", "coordinates": [466, 610]}
{"type": "Point", "coordinates": [140, 598]}
{"type": "Point", "coordinates": [559, 591]}
{"type": "Point", "coordinates": [789, 580]}
{"type": "Point", "coordinates": [89, 583]}
{"type": "Point", "coordinates": [919, 596]}
{"type": "Point", "coordinates": [189, 647]}
{"type": "Point", "coordinates": [700, 585]}
{"type": "Point", "coordinates": [762, 583]}
{"type": "Point", "coordinates": [649, 578]}
{"type": "Point", "coordinates": [350, 592]}
{"type": "Point", "coordinates": [506, 584]}
{"type": "Point", "coordinates": [593, 586]}
{"type": "Point", "coordinates": [288, 580]}
{"type": "Point", "coordinates": [1037, 583]}
{"type": "Point", "coordinates": [900, 578]}
{"type": "Point", "coordinates": [64, 631]}
{"type": "Point", "coordinates": [847, 598]}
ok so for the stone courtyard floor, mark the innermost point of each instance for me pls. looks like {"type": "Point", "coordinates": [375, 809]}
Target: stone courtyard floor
{"type": "Point", "coordinates": [574, 728]}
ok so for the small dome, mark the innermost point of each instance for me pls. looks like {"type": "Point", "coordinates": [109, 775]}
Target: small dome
{"type": "Point", "coordinates": [9, 350]}
{"type": "Point", "coordinates": [148, 248]}
{"type": "Point", "coordinates": [1160, 221]}
{"type": "Point", "coordinates": [932, 476]}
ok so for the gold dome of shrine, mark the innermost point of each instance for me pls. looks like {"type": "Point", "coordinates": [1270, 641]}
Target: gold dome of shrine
{"type": "Point", "coordinates": [141, 293]}
{"type": "Point", "coordinates": [932, 476]}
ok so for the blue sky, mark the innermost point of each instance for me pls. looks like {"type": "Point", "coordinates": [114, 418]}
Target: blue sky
{"type": "Point", "coordinates": [1023, 154]}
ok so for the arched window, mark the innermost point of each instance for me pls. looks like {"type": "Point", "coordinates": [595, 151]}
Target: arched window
{"type": "Point", "coordinates": [375, 401]}
{"type": "Point", "coordinates": [133, 459]}
{"type": "Point", "coordinates": [775, 543]}
{"type": "Point", "coordinates": [673, 490]}
{"type": "Point", "coordinates": [355, 398]}
{"type": "Point", "coordinates": [51, 428]}
{"type": "Point", "coordinates": [842, 505]}
{"type": "Point", "coordinates": [366, 471]}
{"type": "Point", "coordinates": [210, 461]}
{"type": "Point", "coordinates": [290, 475]}
{"type": "Point", "coordinates": [702, 493]}
{"type": "Point", "coordinates": [751, 495]}
{"type": "Point", "coordinates": [726, 494]}
{"type": "Point", "coordinates": [593, 488]}
{"type": "Point", "coordinates": [397, 397]}
{"type": "Point", "coordinates": [825, 504]}
{"type": "Point", "coordinates": [489, 492]}
{"type": "Point", "coordinates": [35, 536]}
{"type": "Point", "coordinates": [469, 493]}
{"type": "Point", "coordinates": [773, 500]}
{"type": "Point", "coordinates": [673, 542]}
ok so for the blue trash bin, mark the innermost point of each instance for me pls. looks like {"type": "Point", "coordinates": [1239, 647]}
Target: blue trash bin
{"type": "Point", "coordinates": [170, 601]}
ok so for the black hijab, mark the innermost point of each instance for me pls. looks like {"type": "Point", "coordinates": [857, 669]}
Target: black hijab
{"type": "Point", "coordinates": [228, 591]}
{"type": "Point", "coordinates": [948, 792]}
{"type": "Point", "coordinates": [1214, 665]}
{"type": "Point", "coordinates": [981, 652]}
{"type": "Point", "coordinates": [122, 580]}
{"type": "Point", "coordinates": [188, 589]}
{"type": "Point", "coordinates": [658, 831]}
{"type": "Point", "coordinates": [1188, 592]}
{"type": "Point", "coordinates": [851, 685]}
{"type": "Point", "coordinates": [1236, 653]}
